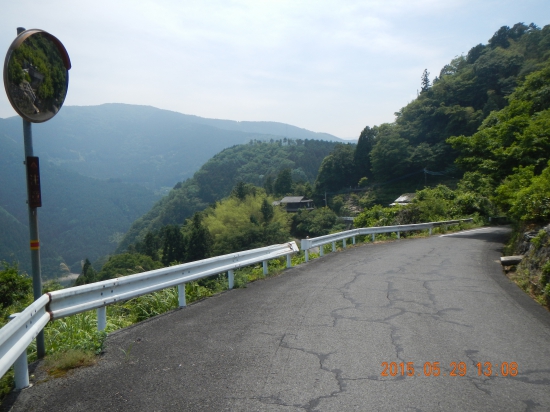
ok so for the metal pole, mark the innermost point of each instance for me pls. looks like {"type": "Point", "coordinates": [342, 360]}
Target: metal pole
{"type": "Point", "coordinates": [33, 232]}
{"type": "Point", "coordinates": [101, 318]}
{"type": "Point", "coordinates": [181, 296]}
{"type": "Point", "coordinates": [231, 278]}
{"type": "Point", "coordinates": [20, 367]}
{"type": "Point", "coordinates": [34, 241]}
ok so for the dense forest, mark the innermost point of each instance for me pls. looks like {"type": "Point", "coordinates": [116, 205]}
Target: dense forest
{"type": "Point", "coordinates": [455, 103]}
{"type": "Point", "coordinates": [282, 167]}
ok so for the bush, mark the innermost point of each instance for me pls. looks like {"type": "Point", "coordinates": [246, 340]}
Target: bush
{"type": "Point", "coordinates": [14, 286]}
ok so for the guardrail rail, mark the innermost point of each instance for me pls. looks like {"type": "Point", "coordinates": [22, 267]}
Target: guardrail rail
{"type": "Point", "coordinates": [16, 336]}
{"type": "Point", "coordinates": [307, 244]}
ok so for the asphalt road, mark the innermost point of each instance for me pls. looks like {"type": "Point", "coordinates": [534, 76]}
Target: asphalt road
{"type": "Point", "coordinates": [317, 338]}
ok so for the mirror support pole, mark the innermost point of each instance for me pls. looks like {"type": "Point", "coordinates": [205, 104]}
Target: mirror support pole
{"type": "Point", "coordinates": [34, 242]}
{"type": "Point", "coordinates": [33, 232]}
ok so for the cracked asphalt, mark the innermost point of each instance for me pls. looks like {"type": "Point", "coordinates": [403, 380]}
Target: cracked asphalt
{"type": "Point", "coordinates": [316, 337]}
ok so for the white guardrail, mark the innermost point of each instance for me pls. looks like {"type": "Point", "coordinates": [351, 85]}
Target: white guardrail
{"type": "Point", "coordinates": [16, 336]}
{"type": "Point", "coordinates": [320, 241]}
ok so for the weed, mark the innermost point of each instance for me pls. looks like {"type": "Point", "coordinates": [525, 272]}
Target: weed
{"type": "Point", "coordinates": [539, 239]}
{"type": "Point", "coordinates": [58, 364]}
{"type": "Point", "coordinates": [127, 352]}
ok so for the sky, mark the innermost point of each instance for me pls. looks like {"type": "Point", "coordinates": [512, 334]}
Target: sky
{"type": "Point", "coordinates": [326, 66]}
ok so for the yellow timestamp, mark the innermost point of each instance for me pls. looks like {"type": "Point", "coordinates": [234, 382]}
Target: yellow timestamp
{"type": "Point", "coordinates": [454, 369]}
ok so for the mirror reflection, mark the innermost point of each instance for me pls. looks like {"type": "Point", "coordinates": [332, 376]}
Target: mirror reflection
{"type": "Point", "coordinates": [36, 78]}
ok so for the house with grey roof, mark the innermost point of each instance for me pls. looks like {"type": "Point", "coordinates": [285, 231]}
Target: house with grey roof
{"type": "Point", "coordinates": [294, 203]}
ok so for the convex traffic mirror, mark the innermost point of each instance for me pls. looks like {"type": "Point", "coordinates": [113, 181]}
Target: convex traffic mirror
{"type": "Point", "coordinates": [36, 75]}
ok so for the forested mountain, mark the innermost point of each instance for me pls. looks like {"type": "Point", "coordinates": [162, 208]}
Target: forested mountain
{"type": "Point", "coordinates": [141, 144]}
{"type": "Point", "coordinates": [91, 160]}
{"type": "Point", "coordinates": [464, 93]}
{"type": "Point", "coordinates": [80, 217]}
{"type": "Point", "coordinates": [258, 163]}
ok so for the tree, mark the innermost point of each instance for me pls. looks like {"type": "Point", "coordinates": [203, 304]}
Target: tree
{"type": "Point", "coordinates": [268, 184]}
{"type": "Point", "coordinates": [173, 246]}
{"type": "Point", "coordinates": [283, 183]}
{"type": "Point", "coordinates": [337, 170]}
{"type": "Point", "coordinates": [361, 157]}
{"type": "Point", "coordinates": [199, 240]}
{"type": "Point", "coordinates": [390, 157]}
{"type": "Point", "coordinates": [127, 264]}
{"type": "Point", "coordinates": [87, 275]}
{"type": "Point", "coordinates": [425, 81]}
{"type": "Point", "coordinates": [13, 285]}
{"type": "Point", "coordinates": [267, 211]}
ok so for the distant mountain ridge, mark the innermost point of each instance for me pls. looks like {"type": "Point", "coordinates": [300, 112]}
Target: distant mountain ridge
{"type": "Point", "coordinates": [152, 147]}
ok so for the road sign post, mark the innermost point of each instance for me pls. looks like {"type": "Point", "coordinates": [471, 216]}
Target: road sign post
{"type": "Point", "coordinates": [30, 61]}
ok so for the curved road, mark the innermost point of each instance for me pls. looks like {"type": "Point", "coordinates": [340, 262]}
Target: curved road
{"type": "Point", "coordinates": [316, 338]}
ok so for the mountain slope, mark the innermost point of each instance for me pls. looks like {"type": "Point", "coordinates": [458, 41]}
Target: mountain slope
{"type": "Point", "coordinates": [250, 163]}
{"type": "Point", "coordinates": [141, 144]}
{"type": "Point", "coordinates": [80, 217]}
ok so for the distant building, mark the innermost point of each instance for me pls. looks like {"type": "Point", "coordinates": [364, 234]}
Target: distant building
{"type": "Point", "coordinates": [294, 203]}
{"type": "Point", "coordinates": [404, 199]}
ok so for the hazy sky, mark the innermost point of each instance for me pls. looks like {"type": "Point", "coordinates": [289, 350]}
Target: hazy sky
{"type": "Point", "coordinates": [327, 66]}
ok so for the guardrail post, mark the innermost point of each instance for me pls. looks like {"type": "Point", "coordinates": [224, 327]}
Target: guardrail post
{"type": "Point", "coordinates": [353, 239]}
{"type": "Point", "coordinates": [20, 367]}
{"type": "Point", "coordinates": [321, 250]}
{"type": "Point", "coordinates": [181, 296]}
{"type": "Point", "coordinates": [101, 318]}
{"type": "Point", "coordinates": [373, 237]}
{"type": "Point", "coordinates": [21, 371]}
{"type": "Point", "coordinates": [231, 278]}
{"type": "Point", "coordinates": [334, 246]}
{"type": "Point", "coordinates": [288, 261]}
{"type": "Point", "coordinates": [307, 255]}
{"type": "Point", "coordinates": [430, 231]}
{"type": "Point", "coordinates": [398, 237]}
{"type": "Point", "coordinates": [264, 264]}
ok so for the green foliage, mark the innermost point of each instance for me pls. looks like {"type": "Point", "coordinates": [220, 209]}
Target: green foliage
{"type": "Point", "coordinates": [337, 170]}
{"type": "Point", "coordinates": [252, 164]}
{"type": "Point", "coordinates": [361, 156]}
{"type": "Point", "coordinates": [525, 196]}
{"type": "Point", "coordinates": [429, 205]}
{"type": "Point", "coordinates": [127, 264]}
{"type": "Point", "coordinates": [313, 223]}
{"type": "Point", "coordinates": [237, 224]}
{"type": "Point", "coordinates": [283, 183]}
{"type": "Point", "coordinates": [517, 136]}
{"type": "Point", "coordinates": [390, 156]}
{"type": "Point", "coordinates": [199, 240]}
{"type": "Point", "coordinates": [14, 286]}
{"type": "Point", "coordinates": [425, 81]}
{"type": "Point", "coordinates": [173, 245]}
{"type": "Point", "coordinates": [467, 90]}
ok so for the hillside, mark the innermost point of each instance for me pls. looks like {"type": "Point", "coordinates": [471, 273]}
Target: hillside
{"type": "Point", "coordinates": [251, 163]}
{"type": "Point", "coordinates": [81, 216]}
{"type": "Point", "coordinates": [141, 144]}
{"type": "Point", "coordinates": [453, 103]}
{"type": "Point", "coordinates": [99, 168]}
